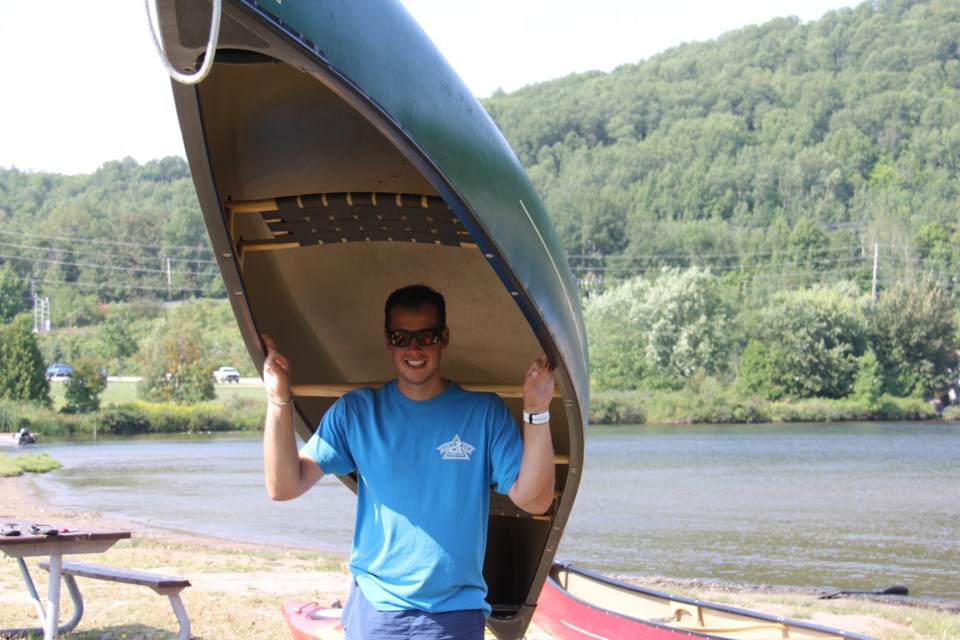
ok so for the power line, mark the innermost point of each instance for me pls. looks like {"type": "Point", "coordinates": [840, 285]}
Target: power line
{"type": "Point", "coordinates": [101, 267]}
{"type": "Point", "coordinates": [114, 285]}
{"type": "Point", "coordinates": [30, 247]}
{"type": "Point", "coordinates": [686, 256]}
{"type": "Point", "coordinates": [98, 241]}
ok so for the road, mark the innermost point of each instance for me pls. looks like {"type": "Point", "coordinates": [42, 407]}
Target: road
{"type": "Point", "coordinates": [243, 381]}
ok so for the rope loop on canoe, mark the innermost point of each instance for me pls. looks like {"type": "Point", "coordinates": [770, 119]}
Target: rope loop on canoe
{"type": "Point", "coordinates": [208, 57]}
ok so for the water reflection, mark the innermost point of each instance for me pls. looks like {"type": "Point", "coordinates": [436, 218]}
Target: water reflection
{"type": "Point", "coordinates": [846, 506]}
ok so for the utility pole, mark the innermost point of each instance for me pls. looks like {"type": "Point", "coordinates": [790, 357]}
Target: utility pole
{"type": "Point", "coordinates": [876, 265]}
{"type": "Point", "coordinates": [41, 314]}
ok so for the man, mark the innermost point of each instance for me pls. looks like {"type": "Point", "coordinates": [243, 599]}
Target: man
{"type": "Point", "coordinates": [427, 453]}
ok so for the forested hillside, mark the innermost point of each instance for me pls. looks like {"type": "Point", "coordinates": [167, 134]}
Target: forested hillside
{"type": "Point", "coordinates": [774, 214]}
{"type": "Point", "coordinates": [782, 152]}
{"type": "Point", "coordinates": [777, 155]}
{"type": "Point", "coordinates": [124, 232]}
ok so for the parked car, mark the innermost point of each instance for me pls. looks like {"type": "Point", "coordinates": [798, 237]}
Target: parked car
{"type": "Point", "coordinates": [59, 371]}
{"type": "Point", "coordinates": [226, 374]}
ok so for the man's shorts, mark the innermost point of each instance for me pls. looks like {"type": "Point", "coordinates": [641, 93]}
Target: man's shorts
{"type": "Point", "coordinates": [363, 622]}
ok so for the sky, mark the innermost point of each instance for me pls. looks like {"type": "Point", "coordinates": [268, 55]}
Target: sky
{"type": "Point", "coordinates": [82, 83]}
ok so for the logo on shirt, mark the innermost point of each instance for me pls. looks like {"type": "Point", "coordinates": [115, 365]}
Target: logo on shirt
{"type": "Point", "coordinates": [456, 449]}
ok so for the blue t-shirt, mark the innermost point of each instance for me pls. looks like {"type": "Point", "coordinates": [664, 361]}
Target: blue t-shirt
{"type": "Point", "coordinates": [425, 471]}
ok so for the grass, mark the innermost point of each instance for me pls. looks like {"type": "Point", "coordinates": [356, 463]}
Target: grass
{"type": "Point", "coordinates": [11, 465]}
{"type": "Point", "coordinates": [227, 392]}
{"type": "Point", "coordinates": [120, 392]}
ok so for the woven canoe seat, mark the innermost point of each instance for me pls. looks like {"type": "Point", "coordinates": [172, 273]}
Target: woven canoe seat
{"type": "Point", "coordinates": [330, 218]}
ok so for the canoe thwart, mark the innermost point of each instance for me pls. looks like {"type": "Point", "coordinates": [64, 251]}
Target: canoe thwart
{"type": "Point", "coordinates": [731, 629]}
{"type": "Point", "coordinates": [336, 390]}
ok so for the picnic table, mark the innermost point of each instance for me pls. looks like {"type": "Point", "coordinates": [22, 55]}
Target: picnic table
{"type": "Point", "coordinates": [38, 540]}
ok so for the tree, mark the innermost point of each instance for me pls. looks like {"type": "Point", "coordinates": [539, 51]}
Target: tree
{"type": "Point", "coordinates": [688, 325]}
{"type": "Point", "coordinates": [615, 360]}
{"type": "Point", "coordinates": [807, 245]}
{"type": "Point", "coordinates": [759, 373]}
{"type": "Point", "coordinates": [912, 331]}
{"type": "Point", "coordinates": [83, 389]}
{"type": "Point", "coordinates": [175, 359]}
{"type": "Point", "coordinates": [868, 382]}
{"type": "Point", "coordinates": [116, 336]}
{"type": "Point", "coordinates": [14, 296]}
{"type": "Point", "coordinates": [21, 364]}
{"type": "Point", "coordinates": [658, 334]}
{"type": "Point", "coordinates": [809, 343]}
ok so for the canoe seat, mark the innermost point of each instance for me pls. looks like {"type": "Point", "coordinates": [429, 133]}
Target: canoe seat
{"type": "Point", "coordinates": [333, 218]}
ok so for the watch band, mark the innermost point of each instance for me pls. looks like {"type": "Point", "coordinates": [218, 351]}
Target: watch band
{"type": "Point", "coordinates": [536, 418]}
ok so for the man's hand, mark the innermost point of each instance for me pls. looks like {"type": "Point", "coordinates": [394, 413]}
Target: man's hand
{"type": "Point", "coordinates": [538, 386]}
{"type": "Point", "coordinates": [287, 473]}
{"type": "Point", "coordinates": [533, 489]}
{"type": "Point", "coordinates": [276, 374]}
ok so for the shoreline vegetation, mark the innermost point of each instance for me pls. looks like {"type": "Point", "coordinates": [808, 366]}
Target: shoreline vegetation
{"type": "Point", "coordinates": [241, 408]}
{"type": "Point", "coordinates": [237, 588]}
{"type": "Point", "coordinates": [721, 406]}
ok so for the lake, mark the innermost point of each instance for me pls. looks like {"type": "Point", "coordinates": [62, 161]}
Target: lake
{"type": "Point", "coordinates": [859, 506]}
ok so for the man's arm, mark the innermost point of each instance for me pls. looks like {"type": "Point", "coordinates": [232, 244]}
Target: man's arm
{"type": "Point", "coordinates": [533, 489]}
{"type": "Point", "coordinates": [287, 473]}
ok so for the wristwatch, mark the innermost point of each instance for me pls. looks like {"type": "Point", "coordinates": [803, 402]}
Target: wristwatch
{"type": "Point", "coordinates": [536, 418]}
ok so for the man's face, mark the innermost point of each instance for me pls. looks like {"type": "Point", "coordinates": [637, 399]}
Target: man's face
{"type": "Point", "coordinates": [418, 367]}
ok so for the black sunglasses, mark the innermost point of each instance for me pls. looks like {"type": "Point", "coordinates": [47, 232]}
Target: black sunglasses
{"type": "Point", "coordinates": [425, 337]}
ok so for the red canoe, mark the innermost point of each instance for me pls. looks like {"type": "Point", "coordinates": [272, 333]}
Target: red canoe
{"type": "Point", "coordinates": [311, 621]}
{"type": "Point", "coordinates": [577, 604]}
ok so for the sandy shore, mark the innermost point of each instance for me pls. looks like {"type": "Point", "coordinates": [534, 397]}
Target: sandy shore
{"type": "Point", "coordinates": [20, 498]}
{"type": "Point", "coordinates": [253, 580]}
{"type": "Point", "coordinates": [230, 580]}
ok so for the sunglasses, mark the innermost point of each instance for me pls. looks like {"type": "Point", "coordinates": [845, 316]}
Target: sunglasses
{"type": "Point", "coordinates": [424, 337]}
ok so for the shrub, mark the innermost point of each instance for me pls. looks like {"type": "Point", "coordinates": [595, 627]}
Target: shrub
{"type": "Point", "coordinates": [144, 417]}
{"type": "Point", "coordinates": [617, 407]}
{"type": "Point", "coordinates": [664, 407]}
{"type": "Point", "coordinates": [820, 410]}
{"type": "Point", "coordinates": [123, 421]}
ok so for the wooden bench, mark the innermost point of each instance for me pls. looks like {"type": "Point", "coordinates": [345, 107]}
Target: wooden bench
{"type": "Point", "coordinates": [164, 585]}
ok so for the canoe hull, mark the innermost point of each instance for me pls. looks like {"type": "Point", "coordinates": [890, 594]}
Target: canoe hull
{"type": "Point", "coordinates": [577, 604]}
{"type": "Point", "coordinates": [337, 157]}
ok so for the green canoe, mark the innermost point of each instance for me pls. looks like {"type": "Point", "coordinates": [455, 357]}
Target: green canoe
{"type": "Point", "coordinates": [336, 157]}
